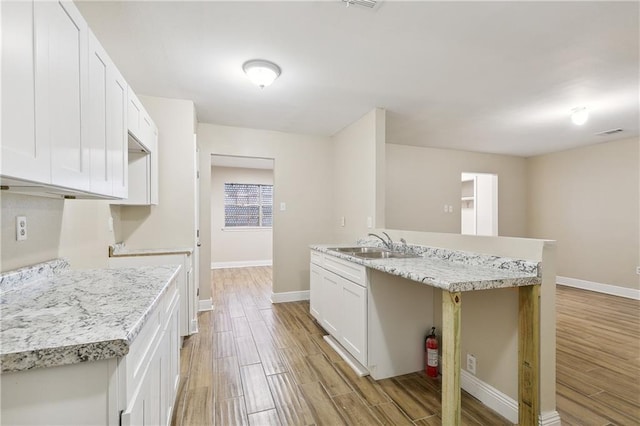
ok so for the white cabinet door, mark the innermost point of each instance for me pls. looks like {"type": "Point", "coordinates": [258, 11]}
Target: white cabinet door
{"type": "Point", "coordinates": [331, 310]}
{"type": "Point", "coordinates": [117, 132]}
{"type": "Point", "coordinates": [62, 91]}
{"type": "Point", "coordinates": [152, 131]}
{"type": "Point", "coordinates": [353, 328]}
{"type": "Point", "coordinates": [135, 112]}
{"type": "Point", "coordinates": [315, 291]}
{"type": "Point", "coordinates": [97, 120]}
{"type": "Point", "coordinates": [23, 155]}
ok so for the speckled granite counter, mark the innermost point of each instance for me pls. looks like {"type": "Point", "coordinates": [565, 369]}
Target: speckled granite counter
{"type": "Point", "coordinates": [70, 316]}
{"type": "Point", "coordinates": [450, 270]}
{"type": "Point", "coordinates": [120, 250]}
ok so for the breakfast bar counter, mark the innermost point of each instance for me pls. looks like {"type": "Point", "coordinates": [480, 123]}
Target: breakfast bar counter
{"type": "Point", "coordinates": [455, 272]}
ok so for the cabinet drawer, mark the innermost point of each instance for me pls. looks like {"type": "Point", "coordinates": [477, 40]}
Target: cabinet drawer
{"type": "Point", "coordinates": [349, 270]}
{"type": "Point", "coordinates": [316, 257]}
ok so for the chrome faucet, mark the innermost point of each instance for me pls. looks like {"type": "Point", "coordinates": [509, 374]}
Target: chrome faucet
{"type": "Point", "coordinates": [405, 247]}
{"type": "Point", "coordinates": [388, 243]}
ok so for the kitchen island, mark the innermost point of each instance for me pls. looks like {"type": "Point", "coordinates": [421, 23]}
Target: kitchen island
{"type": "Point", "coordinates": [89, 346]}
{"type": "Point", "coordinates": [452, 271]}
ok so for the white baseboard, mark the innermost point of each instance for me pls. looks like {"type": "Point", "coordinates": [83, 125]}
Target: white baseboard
{"type": "Point", "coordinates": [502, 404]}
{"type": "Point", "coordinates": [205, 305]}
{"type": "Point", "coordinates": [241, 264]}
{"type": "Point", "coordinates": [550, 418]}
{"type": "Point", "coordinates": [289, 296]}
{"type": "Point", "coordinates": [613, 290]}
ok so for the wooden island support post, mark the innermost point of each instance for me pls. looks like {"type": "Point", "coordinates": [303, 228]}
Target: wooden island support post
{"type": "Point", "coordinates": [528, 356]}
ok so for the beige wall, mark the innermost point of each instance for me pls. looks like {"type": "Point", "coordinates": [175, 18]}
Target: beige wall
{"type": "Point", "coordinates": [587, 199]}
{"type": "Point", "coordinates": [237, 245]}
{"type": "Point", "coordinates": [44, 219]}
{"type": "Point", "coordinates": [302, 176]}
{"type": "Point", "coordinates": [358, 176]}
{"type": "Point", "coordinates": [420, 181]}
{"type": "Point", "coordinates": [77, 230]}
{"type": "Point", "coordinates": [172, 222]}
{"type": "Point", "coordinates": [85, 236]}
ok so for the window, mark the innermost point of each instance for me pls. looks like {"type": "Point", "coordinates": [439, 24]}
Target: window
{"type": "Point", "coordinates": [248, 205]}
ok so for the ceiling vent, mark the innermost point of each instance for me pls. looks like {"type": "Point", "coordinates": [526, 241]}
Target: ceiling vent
{"type": "Point", "coordinates": [609, 132]}
{"type": "Point", "coordinates": [367, 4]}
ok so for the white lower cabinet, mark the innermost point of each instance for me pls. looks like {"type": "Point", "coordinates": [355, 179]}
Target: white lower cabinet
{"type": "Point", "coordinates": [353, 336]}
{"type": "Point", "coordinates": [137, 389]}
{"type": "Point", "coordinates": [315, 291]}
{"type": "Point", "coordinates": [188, 290]}
{"type": "Point", "coordinates": [338, 300]}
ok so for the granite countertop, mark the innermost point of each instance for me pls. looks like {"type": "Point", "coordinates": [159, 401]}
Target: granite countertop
{"type": "Point", "coordinates": [120, 250]}
{"type": "Point", "coordinates": [450, 270]}
{"type": "Point", "coordinates": [71, 316]}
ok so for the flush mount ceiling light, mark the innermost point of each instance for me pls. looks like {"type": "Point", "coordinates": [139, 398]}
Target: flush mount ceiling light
{"type": "Point", "coordinates": [579, 115]}
{"type": "Point", "coordinates": [262, 73]}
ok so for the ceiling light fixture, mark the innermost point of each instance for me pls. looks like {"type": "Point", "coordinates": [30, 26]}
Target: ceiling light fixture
{"type": "Point", "coordinates": [262, 73]}
{"type": "Point", "coordinates": [579, 116]}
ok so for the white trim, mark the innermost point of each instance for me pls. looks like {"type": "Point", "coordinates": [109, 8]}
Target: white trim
{"type": "Point", "coordinates": [502, 404]}
{"type": "Point", "coordinates": [499, 402]}
{"type": "Point", "coordinates": [289, 296]}
{"type": "Point", "coordinates": [549, 418]}
{"type": "Point", "coordinates": [629, 293]}
{"type": "Point", "coordinates": [205, 305]}
{"type": "Point", "coordinates": [358, 368]}
{"type": "Point", "coordinates": [241, 264]}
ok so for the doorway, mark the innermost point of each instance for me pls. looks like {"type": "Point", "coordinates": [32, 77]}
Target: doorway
{"type": "Point", "coordinates": [241, 211]}
{"type": "Point", "coordinates": [479, 204]}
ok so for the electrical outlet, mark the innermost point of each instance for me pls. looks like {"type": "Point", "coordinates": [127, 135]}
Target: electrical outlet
{"type": "Point", "coordinates": [471, 364]}
{"type": "Point", "coordinates": [21, 228]}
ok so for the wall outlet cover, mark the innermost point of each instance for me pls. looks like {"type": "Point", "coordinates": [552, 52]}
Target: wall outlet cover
{"type": "Point", "coordinates": [21, 228]}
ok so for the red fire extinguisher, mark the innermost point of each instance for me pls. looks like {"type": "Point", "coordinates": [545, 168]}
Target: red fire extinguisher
{"type": "Point", "coordinates": [431, 354]}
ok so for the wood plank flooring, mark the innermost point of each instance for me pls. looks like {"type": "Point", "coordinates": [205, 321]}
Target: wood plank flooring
{"type": "Point", "coordinates": [254, 363]}
{"type": "Point", "coordinates": [597, 358]}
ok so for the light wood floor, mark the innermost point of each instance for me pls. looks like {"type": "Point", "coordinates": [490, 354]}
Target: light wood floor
{"type": "Point", "coordinates": [597, 358]}
{"type": "Point", "coordinates": [257, 363]}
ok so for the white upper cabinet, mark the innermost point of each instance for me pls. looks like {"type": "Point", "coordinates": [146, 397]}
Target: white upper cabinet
{"type": "Point", "coordinates": [62, 91]}
{"type": "Point", "coordinates": [65, 106]}
{"type": "Point", "coordinates": [23, 155]}
{"type": "Point", "coordinates": [107, 124]}
{"type": "Point", "coordinates": [117, 131]}
{"type": "Point", "coordinates": [143, 154]}
{"type": "Point", "coordinates": [98, 87]}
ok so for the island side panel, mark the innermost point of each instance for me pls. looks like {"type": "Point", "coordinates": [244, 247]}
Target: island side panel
{"type": "Point", "coordinates": [529, 355]}
{"type": "Point", "coordinates": [451, 312]}
{"type": "Point", "coordinates": [85, 392]}
{"type": "Point", "coordinates": [400, 315]}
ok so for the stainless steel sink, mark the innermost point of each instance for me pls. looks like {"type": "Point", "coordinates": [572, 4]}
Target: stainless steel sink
{"type": "Point", "coordinates": [373, 253]}
{"type": "Point", "coordinates": [386, 255]}
{"type": "Point", "coordinates": [354, 250]}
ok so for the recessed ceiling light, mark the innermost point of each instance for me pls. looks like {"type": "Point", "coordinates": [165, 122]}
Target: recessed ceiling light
{"type": "Point", "coordinates": [579, 115]}
{"type": "Point", "coordinates": [262, 73]}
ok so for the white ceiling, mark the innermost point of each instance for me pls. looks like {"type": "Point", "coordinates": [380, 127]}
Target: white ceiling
{"type": "Point", "coordinates": [496, 77]}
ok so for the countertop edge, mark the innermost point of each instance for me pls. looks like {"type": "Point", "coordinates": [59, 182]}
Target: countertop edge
{"type": "Point", "coordinates": [452, 287]}
{"type": "Point", "coordinates": [90, 351]}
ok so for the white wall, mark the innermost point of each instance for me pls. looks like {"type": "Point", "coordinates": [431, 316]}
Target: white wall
{"type": "Point", "coordinates": [587, 199]}
{"type": "Point", "coordinates": [302, 178]}
{"type": "Point", "coordinates": [420, 181]}
{"type": "Point", "coordinates": [237, 246]}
